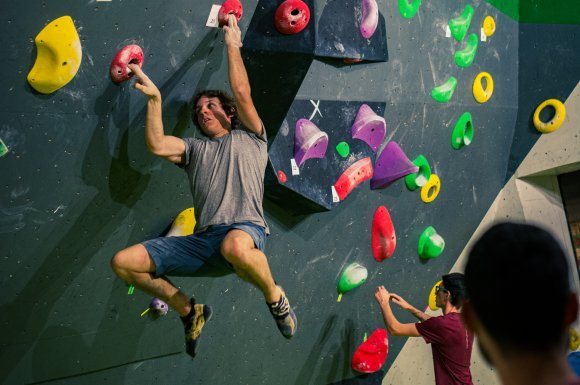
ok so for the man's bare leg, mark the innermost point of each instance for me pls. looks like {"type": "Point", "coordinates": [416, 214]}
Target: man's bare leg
{"type": "Point", "coordinates": [135, 266]}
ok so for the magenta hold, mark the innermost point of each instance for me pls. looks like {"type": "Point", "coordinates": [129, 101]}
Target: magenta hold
{"type": "Point", "coordinates": [392, 164]}
{"type": "Point", "coordinates": [369, 127]}
{"type": "Point", "coordinates": [370, 18]}
{"type": "Point", "coordinates": [309, 141]}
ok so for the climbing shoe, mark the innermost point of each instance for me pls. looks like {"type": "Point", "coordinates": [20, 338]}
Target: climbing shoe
{"type": "Point", "coordinates": [284, 315]}
{"type": "Point", "coordinates": [193, 324]}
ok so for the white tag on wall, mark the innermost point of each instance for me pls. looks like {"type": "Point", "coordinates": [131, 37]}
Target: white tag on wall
{"type": "Point", "coordinates": [294, 166]}
{"type": "Point", "coordinates": [212, 19]}
{"type": "Point", "coordinates": [483, 37]}
{"type": "Point", "coordinates": [447, 31]}
{"type": "Point", "coordinates": [335, 198]}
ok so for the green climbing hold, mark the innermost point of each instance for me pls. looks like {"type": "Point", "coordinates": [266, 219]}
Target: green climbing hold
{"type": "Point", "coordinates": [420, 178]}
{"type": "Point", "coordinates": [460, 24]}
{"type": "Point", "coordinates": [353, 276]}
{"type": "Point", "coordinates": [464, 57]}
{"type": "Point", "coordinates": [444, 92]}
{"type": "Point", "coordinates": [3, 148]}
{"type": "Point", "coordinates": [408, 10]}
{"type": "Point", "coordinates": [463, 132]}
{"type": "Point", "coordinates": [431, 244]}
{"type": "Point", "coordinates": [343, 149]}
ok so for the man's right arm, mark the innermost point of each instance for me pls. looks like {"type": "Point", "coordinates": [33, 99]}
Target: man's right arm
{"type": "Point", "coordinates": [166, 146]}
{"type": "Point", "coordinates": [411, 309]}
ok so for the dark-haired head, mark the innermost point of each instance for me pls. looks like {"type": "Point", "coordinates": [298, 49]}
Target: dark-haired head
{"type": "Point", "coordinates": [518, 283]}
{"type": "Point", "coordinates": [228, 104]}
{"type": "Point", "coordinates": [455, 284]}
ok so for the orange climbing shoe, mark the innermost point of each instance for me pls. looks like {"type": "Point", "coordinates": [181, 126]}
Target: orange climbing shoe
{"type": "Point", "coordinates": [284, 315]}
{"type": "Point", "coordinates": [193, 324]}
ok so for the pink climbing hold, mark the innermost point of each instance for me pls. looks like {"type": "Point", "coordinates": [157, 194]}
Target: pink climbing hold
{"type": "Point", "coordinates": [353, 176]}
{"type": "Point", "coordinates": [391, 165]}
{"type": "Point", "coordinates": [130, 54]}
{"type": "Point", "coordinates": [229, 7]}
{"type": "Point", "coordinates": [371, 355]}
{"type": "Point", "coordinates": [370, 18]}
{"type": "Point", "coordinates": [369, 127]}
{"type": "Point", "coordinates": [309, 141]}
{"type": "Point", "coordinates": [383, 237]}
{"type": "Point", "coordinates": [291, 17]}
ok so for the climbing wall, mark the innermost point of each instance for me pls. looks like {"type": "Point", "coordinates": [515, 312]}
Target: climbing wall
{"type": "Point", "coordinates": [79, 185]}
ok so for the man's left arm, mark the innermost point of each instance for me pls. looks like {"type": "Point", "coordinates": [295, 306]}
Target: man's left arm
{"type": "Point", "coordinates": [394, 327]}
{"type": "Point", "coordinates": [238, 77]}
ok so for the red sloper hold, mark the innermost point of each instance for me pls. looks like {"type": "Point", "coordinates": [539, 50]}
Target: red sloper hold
{"type": "Point", "coordinates": [353, 176]}
{"type": "Point", "coordinates": [229, 6]}
{"type": "Point", "coordinates": [291, 17]}
{"type": "Point", "coordinates": [371, 354]}
{"type": "Point", "coordinates": [383, 239]}
{"type": "Point", "coordinates": [130, 54]}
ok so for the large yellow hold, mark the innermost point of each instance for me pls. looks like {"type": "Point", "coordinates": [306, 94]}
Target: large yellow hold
{"type": "Point", "coordinates": [58, 56]}
{"type": "Point", "coordinates": [183, 224]}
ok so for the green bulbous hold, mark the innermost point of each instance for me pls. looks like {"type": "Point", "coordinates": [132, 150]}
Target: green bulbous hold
{"type": "Point", "coordinates": [463, 132]}
{"type": "Point", "coordinates": [343, 149]}
{"type": "Point", "coordinates": [444, 92]}
{"type": "Point", "coordinates": [408, 10]}
{"type": "Point", "coordinates": [353, 276]}
{"type": "Point", "coordinates": [431, 244]}
{"type": "Point", "coordinates": [420, 178]}
{"type": "Point", "coordinates": [460, 24]}
{"type": "Point", "coordinates": [464, 58]}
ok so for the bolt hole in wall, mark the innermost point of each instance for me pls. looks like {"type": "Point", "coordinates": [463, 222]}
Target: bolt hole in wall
{"type": "Point", "coordinates": [570, 190]}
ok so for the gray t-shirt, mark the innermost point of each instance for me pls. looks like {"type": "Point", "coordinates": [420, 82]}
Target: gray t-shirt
{"type": "Point", "coordinates": [226, 177]}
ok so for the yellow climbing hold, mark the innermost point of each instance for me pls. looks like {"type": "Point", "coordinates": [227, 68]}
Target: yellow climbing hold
{"type": "Point", "coordinates": [557, 120]}
{"type": "Point", "coordinates": [58, 56]}
{"type": "Point", "coordinates": [183, 224]}
{"type": "Point", "coordinates": [480, 94]}
{"type": "Point", "coordinates": [433, 296]}
{"type": "Point", "coordinates": [430, 190]}
{"type": "Point", "coordinates": [574, 339]}
{"type": "Point", "coordinates": [488, 26]}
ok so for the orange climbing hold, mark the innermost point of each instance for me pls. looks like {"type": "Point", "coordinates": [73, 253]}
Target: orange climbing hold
{"type": "Point", "coordinates": [383, 237]}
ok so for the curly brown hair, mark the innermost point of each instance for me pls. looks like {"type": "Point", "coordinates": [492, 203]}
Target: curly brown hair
{"type": "Point", "coordinates": [228, 104]}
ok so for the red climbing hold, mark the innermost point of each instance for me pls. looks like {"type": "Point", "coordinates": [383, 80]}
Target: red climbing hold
{"type": "Point", "coordinates": [371, 354]}
{"type": "Point", "coordinates": [229, 6]}
{"type": "Point", "coordinates": [383, 238]}
{"type": "Point", "coordinates": [353, 176]}
{"type": "Point", "coordinates": [281, 176]}
{"type": "Point", "coordinates": [291, 17]}
{"type": "Point", "coordinates": [130, 54]}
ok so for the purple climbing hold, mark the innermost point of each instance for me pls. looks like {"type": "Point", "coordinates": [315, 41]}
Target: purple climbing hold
{"type": "Point", "coordinates": [391, 165]}
{"type": "Point", "coordinates": [309, 141]}
{"type": "Point", "coordinates": [369, 127]}
{"type": "Point", "coordinates": [158, 308]}
{"type": "Point", "coordinates": [370, 18]}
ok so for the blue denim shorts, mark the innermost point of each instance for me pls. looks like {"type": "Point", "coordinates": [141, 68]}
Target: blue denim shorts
{"type": "Point", "coordinates": [183, 256]}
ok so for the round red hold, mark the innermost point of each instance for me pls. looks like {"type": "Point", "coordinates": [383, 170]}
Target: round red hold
{"type": "Point", "coordinates": [230, 6]}
{"type": "Point", "coordinates": [291, 17]}
{"type": "Point", "coordinates": [281, 176]}
{"type": "Point", "coordinates": [130, 54]}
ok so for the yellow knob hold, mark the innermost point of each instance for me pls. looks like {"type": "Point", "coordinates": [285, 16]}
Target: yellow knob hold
{"type": "Point", "coordinates": [430, 190]}
{"type": "Point", "coordinates": [557, 120]}
{"type": "Point", "coordinates": [183, 224]}
{"type": "Point", "coordinates": [481, 94]}
{"type": "Point", "coordinates": [58, 56]}
{"type": "Point", "coordinates": [488, 26]}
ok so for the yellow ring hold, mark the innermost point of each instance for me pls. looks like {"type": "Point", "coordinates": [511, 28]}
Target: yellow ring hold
{"type": "Point", "coordinates": [430, 190]}
{"type": "Point", "coordinates": [58, 56]}
{"type": "Point", "coordinates": [433, 297]}
{"type": "Point", "coordinates": [482, 95]}
{"type": "Point", "coordinates": [488, 26]}
{"type": "Point", "coordinates": [557, 120]}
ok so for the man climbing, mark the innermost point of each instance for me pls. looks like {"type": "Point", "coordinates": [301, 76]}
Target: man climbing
{"type": "Point", "coordinates": [226, 174]}
{"type": "Point", "coordinates": [450, 342]}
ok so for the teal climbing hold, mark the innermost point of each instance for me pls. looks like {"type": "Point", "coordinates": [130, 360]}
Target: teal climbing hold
{"type": "Point", "coordinates": [444, 92]}
{"type": "Point", "coordinates": [463, 132]}
{"type": "Point", "coordinates": [419, 178]}
{"type": "Point", "coordinates": [460, 24]}
{"type": "Point", "coordinates": [464, 57]}
{"type": "Point", "coordinates": [408, 10]}
{"type": "Point", "coordinates": [343, 149]}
